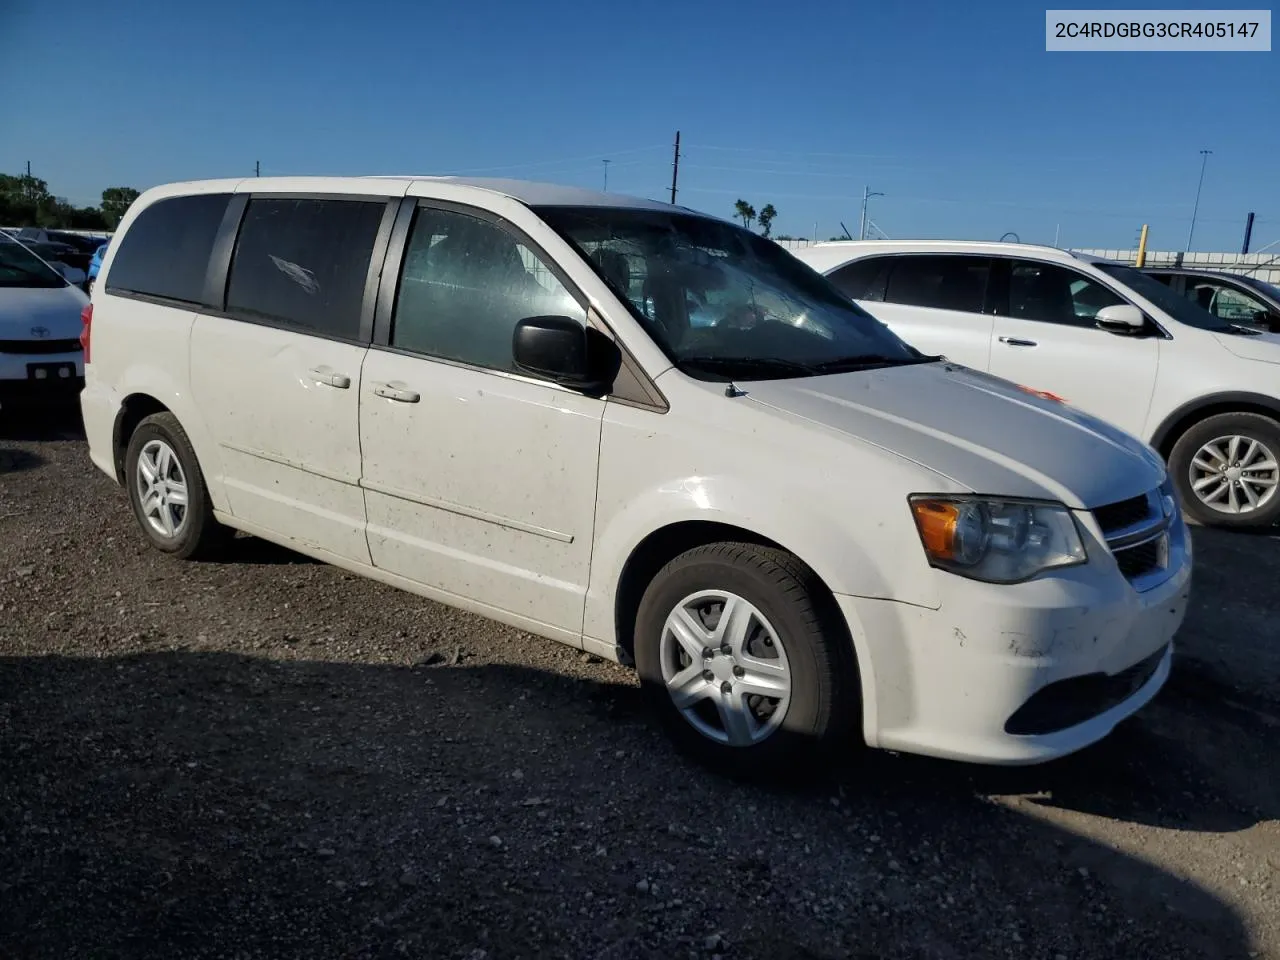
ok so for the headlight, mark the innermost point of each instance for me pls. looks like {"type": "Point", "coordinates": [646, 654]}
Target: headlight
{"type": "Point", "coordinates": [997, 541]}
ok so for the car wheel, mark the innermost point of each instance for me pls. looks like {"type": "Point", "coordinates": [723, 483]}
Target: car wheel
{"type": "Point", "coordinates": [167, 490]}
{"type": "Point", "coordinates": [1227, 470]}
{"type": "Point", "coordinates": [745, 659]}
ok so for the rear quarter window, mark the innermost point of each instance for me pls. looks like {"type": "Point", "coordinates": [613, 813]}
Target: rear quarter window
{"type": "Point", "coordinates": [165, 252]}
{"type": "Point", "coordinates": [862, 279]}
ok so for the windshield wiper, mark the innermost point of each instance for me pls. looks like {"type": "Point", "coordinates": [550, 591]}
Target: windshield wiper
{"type": "Point", "coordinates": [868, 361]}
{"type": "Point", "coordinates": [746, 366]}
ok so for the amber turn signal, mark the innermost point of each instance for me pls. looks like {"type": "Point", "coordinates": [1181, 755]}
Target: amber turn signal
{"type": "Point", "coordinates": [936, 521]}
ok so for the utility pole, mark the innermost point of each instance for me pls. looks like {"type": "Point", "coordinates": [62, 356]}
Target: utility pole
{"type": "Point", "coordinates": [862, 221]}
{"type": "Point", "coordinates": [1057, 228]}
{"type": "Point", "coordinates": [1248, 233]}
{"type": "Point", "coordinates": [257, 168]}
{"type": "Point", "coordinates": [675, 169]}
{"type": "Point", "coordinates": [606, 175]}
{"type": "Point", "coordinates": [1204, 159]}
{"type": "Point", "coordinates": [28, 169]}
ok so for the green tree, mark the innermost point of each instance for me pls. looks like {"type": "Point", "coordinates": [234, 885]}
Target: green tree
{"type": "Point", "coordinates": [766, 218]}
{"type": "Point", "coordinates": [746, 211]}
{"type": "Point", "coordinates": [24, 201]}
{"type": "Point", "coordinates": [115, 203]}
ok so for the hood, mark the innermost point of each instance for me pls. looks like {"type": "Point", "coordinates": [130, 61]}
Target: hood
{"type": "Point", "coordinates": [1261, 346]}
{"type": "Point", "coordinates": [24, 310]}
{"type": "Point", "coordinates": [983, 433]}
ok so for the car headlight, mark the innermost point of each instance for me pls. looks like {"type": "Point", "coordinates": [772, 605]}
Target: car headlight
{"type": "Point", "coordinates": [997, 541]}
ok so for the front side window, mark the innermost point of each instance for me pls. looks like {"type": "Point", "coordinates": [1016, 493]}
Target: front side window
{"type": "Point", "coordinates": [303, 263]}
{"type": "Point", "coordinates": [1180, 308]}
{"type": "Point", "coordinates": [465, 284]}
{"type": "Point", "coordinates": [940, 281]}
{"type": "Point", "coordinates": [19, 267]}
{"type": "Point", "coordinates": [165, 252]}
{"type": "Point", "coordinates": [1052, 294]}
{"type": "Point", "coordinates": [723, 302]}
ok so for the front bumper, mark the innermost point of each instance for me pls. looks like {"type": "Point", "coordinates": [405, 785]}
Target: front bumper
{"type": "Point", "coordinates": [1022, 673]}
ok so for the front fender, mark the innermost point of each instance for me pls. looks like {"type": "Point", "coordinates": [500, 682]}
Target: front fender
{"type": "Point", "coordinates": [857, 555]}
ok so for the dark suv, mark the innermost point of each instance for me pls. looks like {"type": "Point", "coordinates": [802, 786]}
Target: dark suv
{"type": "Point", "coordinates": [1243, 300]}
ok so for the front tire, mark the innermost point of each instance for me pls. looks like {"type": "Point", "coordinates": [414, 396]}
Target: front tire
{"type": "Point", "coordinates": [1226, 470]}
{"type": "Point", "coordinates": [168, 493]}
{"type": "Point", "coordinates": [744, 658]}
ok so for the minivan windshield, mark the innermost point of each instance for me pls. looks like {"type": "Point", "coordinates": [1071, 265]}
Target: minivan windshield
{"type": "Point", "coordinates": [19, 267]}
{"type": "Point", "coordinates": [1175, 304]}
{"type": "Point", "coordinates": [723, 302]}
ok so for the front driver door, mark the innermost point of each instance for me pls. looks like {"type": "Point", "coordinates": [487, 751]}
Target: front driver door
{"type": "Point", "coordinates": [1046, 339]}
{"type": "Point", "coordinates": [480, 481]}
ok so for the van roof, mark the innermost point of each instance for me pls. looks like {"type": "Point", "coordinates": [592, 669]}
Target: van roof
{"type": "Point", "coordinates": [529, 192]}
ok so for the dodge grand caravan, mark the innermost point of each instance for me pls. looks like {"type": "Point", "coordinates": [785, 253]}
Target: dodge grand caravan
{"type": "Point", "coordinates": [794, 525]}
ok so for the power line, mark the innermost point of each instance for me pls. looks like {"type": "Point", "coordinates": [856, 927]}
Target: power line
{"type": "Point", "coordinates": [594, 158]}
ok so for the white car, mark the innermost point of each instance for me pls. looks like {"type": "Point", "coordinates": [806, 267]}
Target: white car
{"type": "Point", "coordinates": [490, 393]}
{"type": "Point", "coordinates": [40, 325]}
{"type": "Point", "coordinates": [1100, 335]}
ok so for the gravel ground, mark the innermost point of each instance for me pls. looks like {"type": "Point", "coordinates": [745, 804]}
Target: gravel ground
{"type": "Point", "coordinates": [271, 758]}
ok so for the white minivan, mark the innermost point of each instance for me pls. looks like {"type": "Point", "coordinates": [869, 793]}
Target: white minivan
{"type": "Point", "coordinates": [801, 530]}
{"type": "Point", "coordinates": [1101, 335]}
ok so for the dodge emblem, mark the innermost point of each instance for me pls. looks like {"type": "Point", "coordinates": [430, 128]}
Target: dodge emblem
{"type": "Point", "coordinates": [40, 333]}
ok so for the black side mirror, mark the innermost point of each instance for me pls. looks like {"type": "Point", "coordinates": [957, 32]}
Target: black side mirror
{"type": "Point", "coordinates": [564, 351]}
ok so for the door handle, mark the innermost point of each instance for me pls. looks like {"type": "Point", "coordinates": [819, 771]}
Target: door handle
{"type": "Point", "coordinates": [329, 378]}
{"type": "Point", "coordinates": [393, 392]}
{"type": "Point", "coordinates": [1016, 342]}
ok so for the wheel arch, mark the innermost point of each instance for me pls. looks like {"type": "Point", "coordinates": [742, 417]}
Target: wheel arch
{"type": "Point", "coordinates": [135, 408]}
{"type": "Point", "coordinates": [666, 543]}
{"type": "Point", "coordinates": [1189, 414]}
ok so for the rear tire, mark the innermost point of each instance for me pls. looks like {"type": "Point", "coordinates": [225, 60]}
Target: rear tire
{"type": "Point", "coordinates": [167, 491]}
{"type": "Point", "coordinates": [1226, 456]}
{"type": "Point", "coordinates": [769, 689]}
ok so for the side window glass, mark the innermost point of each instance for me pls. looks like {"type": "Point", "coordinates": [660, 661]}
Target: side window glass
{"type": "Point", "coordinates": [465, 284]}
{"type": "Point", "coordinates": [165, 252]}
{"type": "Point", "coordinates": [303, 263]}
{"type": "Point", "coordinates": [1226, 303]}
{"type": "Point", "coordinates": [1053, 294]}
{"type": "Point", "coordinates": [943, 282]}
{"type": "Point", "coordinates": [862, 279]}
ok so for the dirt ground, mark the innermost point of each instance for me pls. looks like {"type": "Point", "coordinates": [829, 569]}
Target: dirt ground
{"type": "Point", "coordinates": [268, 757]}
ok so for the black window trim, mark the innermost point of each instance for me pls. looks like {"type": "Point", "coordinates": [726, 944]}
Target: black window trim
{"type": "Point", "coordinates": [195, 306]}
{"type": "Point", "coordinates": [214, 299]}
{"type": "Point", "coordinates": [880, 283]}
{"type": "Point", "coordinates": [987, 308]}
{"type": "Point", "coordinates": [1002, 306]}
{"type": "Point", "coordinates": [632, 385]}
{"type": "Point", "coordinates": [219, 276]}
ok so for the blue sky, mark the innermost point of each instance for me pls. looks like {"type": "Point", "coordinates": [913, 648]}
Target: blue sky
{"type": "Point", "coordinates": [953, 110]}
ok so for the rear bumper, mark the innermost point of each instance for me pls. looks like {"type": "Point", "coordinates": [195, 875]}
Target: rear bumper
{"type": "Point", "coordinates": [99, 406]}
